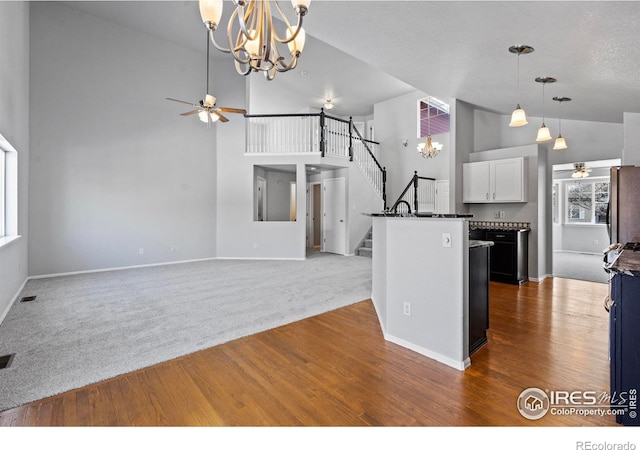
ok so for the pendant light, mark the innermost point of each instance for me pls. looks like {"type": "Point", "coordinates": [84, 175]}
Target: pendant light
{"type": "Point", "coordinates": [543, 132]}
{"type": "Point", "coordinates": [560, 143]}
{"type": "Point", "coordinates": [518, 117]}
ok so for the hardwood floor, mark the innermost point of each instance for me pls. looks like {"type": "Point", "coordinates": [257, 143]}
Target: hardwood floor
{"type": "Point", "coordinates": [336, 369]}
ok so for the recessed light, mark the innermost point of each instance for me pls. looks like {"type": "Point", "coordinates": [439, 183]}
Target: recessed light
{"type": "Point", "coordinates": [304, 73]}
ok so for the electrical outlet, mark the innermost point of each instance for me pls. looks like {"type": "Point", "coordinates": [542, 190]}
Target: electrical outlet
{"type": "Point", "coordinates": [406, 308]}
{"type": "Point", "coordinates": [502, 214]}
{"type": "Point", "coordinates": [496, 215]}
{"type": "Point", "coordinates": [141, 251]}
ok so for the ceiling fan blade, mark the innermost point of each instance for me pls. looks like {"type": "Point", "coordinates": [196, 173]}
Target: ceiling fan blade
{"type": "Point", "coordinates": [221, 117]}
{"type": "Point", "coordinates": [195, 111]}
{"type": "Point", "coordinates": [232, 110]}
{"type": "Point", "coordinates": [182, 101]}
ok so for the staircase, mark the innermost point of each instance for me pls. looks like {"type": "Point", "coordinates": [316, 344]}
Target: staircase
{"type": "Point", "coordinates": [366, 245]}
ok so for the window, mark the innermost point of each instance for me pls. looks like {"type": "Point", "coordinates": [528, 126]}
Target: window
{"type": "Point", "coordinates": [438, 113]}
{"type": "Point", "coordinates": [3, 177]}
{"type": "Point", "coordinates": [587, 202]}
{"type": "Point", "coordinates": [8, 191]}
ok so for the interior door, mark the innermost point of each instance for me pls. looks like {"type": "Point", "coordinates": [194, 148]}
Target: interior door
{"type": "Point", "coordinates": [334, 216]}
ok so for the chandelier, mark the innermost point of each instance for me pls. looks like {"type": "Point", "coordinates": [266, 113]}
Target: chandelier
{"type": "Point", "coordinates": [254, 42]}
{"type": "Point", "coordinates": [429, 149]}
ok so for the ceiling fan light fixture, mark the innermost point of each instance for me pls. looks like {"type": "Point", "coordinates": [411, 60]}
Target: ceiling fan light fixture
{"type": "Point", "coordinates": [328, 104]}
{"type": "Point", "coordinates": [208, 117]}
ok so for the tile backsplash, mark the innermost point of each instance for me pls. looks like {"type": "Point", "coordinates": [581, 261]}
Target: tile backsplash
{"type": "Point", "coordinates": [489, 225]}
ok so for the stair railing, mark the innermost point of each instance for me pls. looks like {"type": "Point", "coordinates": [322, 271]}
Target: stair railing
{"type": "Point", "coordinates": [419, 192]}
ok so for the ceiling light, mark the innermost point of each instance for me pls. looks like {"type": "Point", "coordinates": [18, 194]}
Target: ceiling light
{"type": "Point", "coordinates": [255, 44]}
{"type": "Point", "coordinates": [429, 149]}
{"type": "Point", "coordinates": [580, 171]}
{"type": "Point", "coordinates": [560, 143]}
{"type": "Point", "coordinates": [519, 118]}
{"type": "Point", "coordinates": [543, 132]}
{"type": "Point", "coordinates": [328, 104]}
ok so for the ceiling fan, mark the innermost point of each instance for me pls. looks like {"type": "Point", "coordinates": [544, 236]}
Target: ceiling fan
{"type": "Point", "coordinates": [206, 109]}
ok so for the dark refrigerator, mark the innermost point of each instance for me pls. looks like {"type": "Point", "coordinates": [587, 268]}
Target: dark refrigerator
{"type": "Point", "coordinates": [624, 205]}
{"type": "Point", "coordinates": [623, 221]}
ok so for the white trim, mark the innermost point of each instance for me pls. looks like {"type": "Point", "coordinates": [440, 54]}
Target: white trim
{"type": "Point", "coordinates": [283, 154]}
{"type": "Point", "coordinates": [15, 297]}
{"type": "Point", "coordinates": [540, 279]}
{"type": "Point", "coordinates": [460, 365]}
{"type": "Point", "coordinates": [110, 269]}
{"type": "Point", "coordinates": [260, 258]}
{"type": "Point", "coordinates": [577, 252]}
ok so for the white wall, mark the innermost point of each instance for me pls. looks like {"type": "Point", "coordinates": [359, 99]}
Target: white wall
{"type": "Point", "coordinates": [631, 151]}
{"type": "Point", "coordinates": [114, 168]}
{"type": "Point", "coordinates": [14, 126]}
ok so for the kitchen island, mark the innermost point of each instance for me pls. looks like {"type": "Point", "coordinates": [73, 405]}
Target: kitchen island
{"type": "Point", "coordinates": [421, 284]}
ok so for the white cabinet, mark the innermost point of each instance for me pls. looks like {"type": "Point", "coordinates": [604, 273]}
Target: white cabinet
{"type": "Point", "coordinates": [498, 181]}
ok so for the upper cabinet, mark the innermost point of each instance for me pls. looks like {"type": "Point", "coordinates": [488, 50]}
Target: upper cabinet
{"type": "Point", "coordinates": [498, 181]}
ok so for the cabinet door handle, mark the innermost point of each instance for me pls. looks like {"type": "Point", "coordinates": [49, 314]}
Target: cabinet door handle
{"type": "Point", "coordinates": [487, 195]}
{"type": "Point", "coordinates": [494, 195]}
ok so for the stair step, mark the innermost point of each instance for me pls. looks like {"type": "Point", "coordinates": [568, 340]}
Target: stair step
{"type": "Point", "coordinates": [368, 243]}
{"type": "Point", "coordinates": [365, 251]}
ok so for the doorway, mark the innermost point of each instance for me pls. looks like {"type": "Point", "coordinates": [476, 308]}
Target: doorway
{"type": "Point", "coordinates": [579, 198]}
{"type": "Point", "coordinates": [315, 216]}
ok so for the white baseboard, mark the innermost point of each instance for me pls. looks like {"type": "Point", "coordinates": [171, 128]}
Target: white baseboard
{"type": "Point", "coordinates": [110, 269]}
{"type": "Point", "coordinates": [251, 258]}
{"type": "Point", "coordinates": [15, 297]}
{"type": "Point", "coordinates": [460, 365]}
{"type": "Point", "coordinates": [538, 280]}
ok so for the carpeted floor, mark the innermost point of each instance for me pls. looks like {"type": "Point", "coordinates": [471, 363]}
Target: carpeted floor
{"type": "Point", "coordinates": [579, 266]}
{"type": "Point", "coordinates": [81, 329]}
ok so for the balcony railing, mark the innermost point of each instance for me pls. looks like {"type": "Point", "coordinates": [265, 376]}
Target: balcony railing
{"type": "Point", "coordinates": [316, 133]}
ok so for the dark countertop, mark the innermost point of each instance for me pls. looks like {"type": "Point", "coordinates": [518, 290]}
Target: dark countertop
{"type": "Point", "coordinates": [627, 263]}
{"type": "Point", "coordinates": [474, 243]}
{"type": "Point", "coordinates": [422, 215]}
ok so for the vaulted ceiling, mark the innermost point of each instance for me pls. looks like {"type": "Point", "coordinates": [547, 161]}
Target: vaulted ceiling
{"type": "Point", "coordinates": [449, 49]}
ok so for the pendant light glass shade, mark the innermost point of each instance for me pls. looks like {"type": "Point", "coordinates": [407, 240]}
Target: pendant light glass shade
{"type": "Point", "coordinates": [543, 134]}
{"type": "Point", "coordinates": [560, 143]}
{"type": "Point", "coordinates": [518, 117]}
